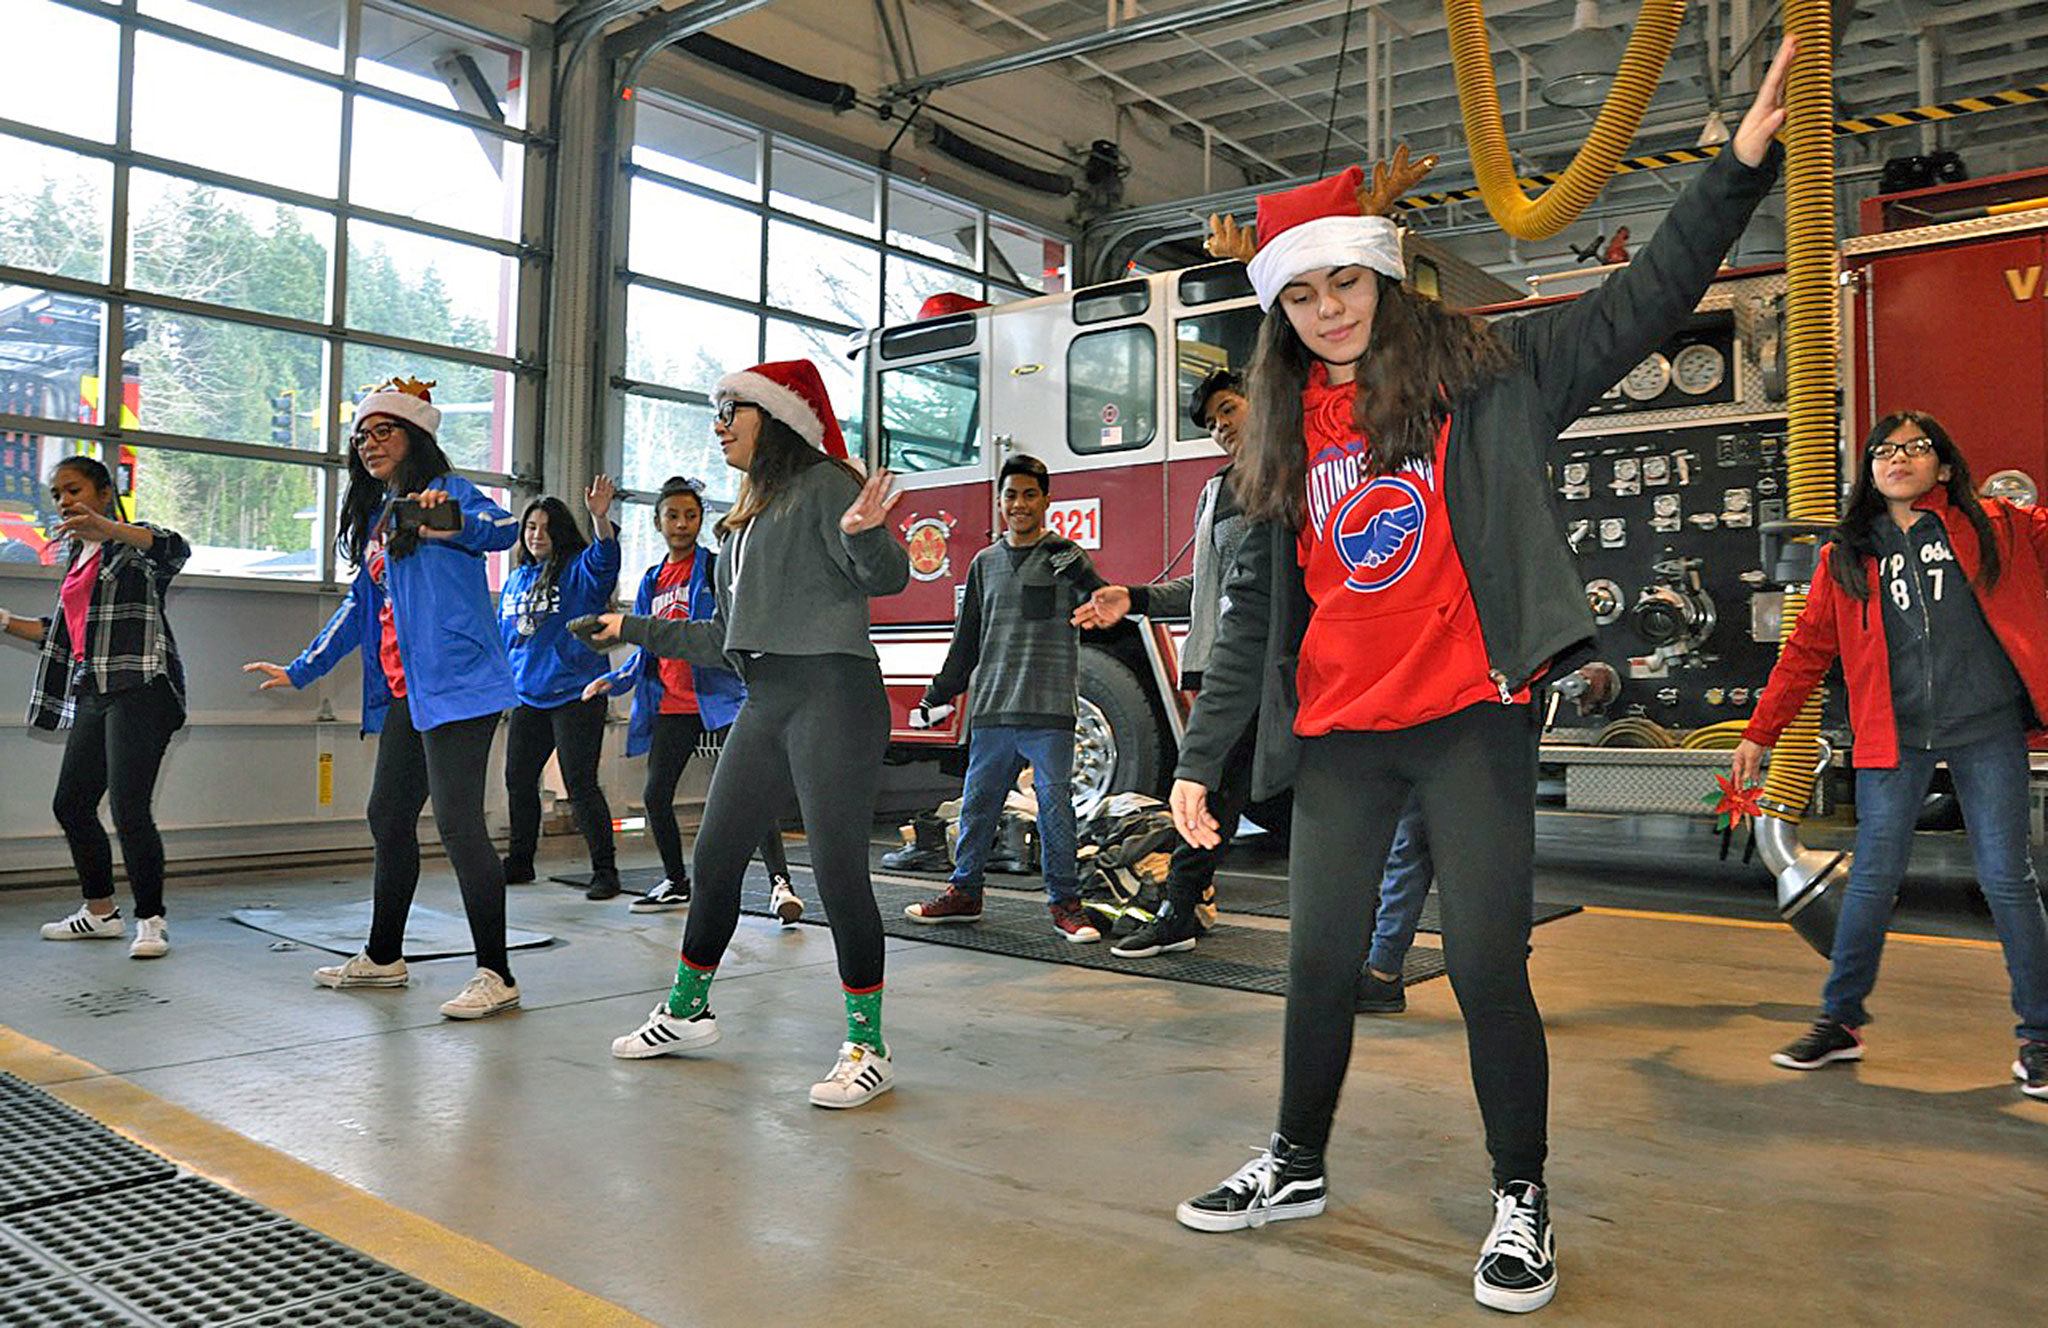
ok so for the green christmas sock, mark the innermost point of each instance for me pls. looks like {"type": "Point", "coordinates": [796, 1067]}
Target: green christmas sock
{"type": "Point", "coordinates": [692, 993]}
{"type": "Point", "coordinates": [864, 1017]}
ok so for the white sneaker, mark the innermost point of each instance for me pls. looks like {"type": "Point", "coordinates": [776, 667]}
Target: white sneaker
{"type": "Point", "coordinates": [362, 971]}
{"type": "Point", "coordinates": [782, 900]}
{"type": "Point", "coordinates": [663, 1035]}
{"type": "Point", "coordinates": [152, 940]}
{"type": "Point", "coordinates": [860, 1073]}
{"type": "Point", "coordinates": [481, 997]}
{"type": "Point", "coordinates": [85, 925]}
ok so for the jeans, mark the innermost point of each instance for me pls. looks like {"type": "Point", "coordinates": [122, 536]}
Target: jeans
{"type": "Point", "coordinates": [996, 753]}
{"type": "Point", "coordinates": [448, 764]}
{"type": "Point", "coordinates": [1404, 888]}
{"type": "Point", "coordinates": [1474, 770]}
{"type": "Point", "coordinates": [1991, 784]}
{"type": "Point", "coordinates": [576, 732]}
{"type": "Point", "coordinates": [114, 750]}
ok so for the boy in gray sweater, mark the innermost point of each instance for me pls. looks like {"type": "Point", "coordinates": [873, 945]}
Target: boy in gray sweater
{"type": "Point", "coordinates": [1014, 636]}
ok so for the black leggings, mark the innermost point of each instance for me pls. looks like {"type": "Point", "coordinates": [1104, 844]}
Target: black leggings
{"type": "Point", "coordinates": [576, 730]}
{"type": "Point", "coordinates": [1475, 773]}
{"type": "Point", "coordinates": [668, 755]}
{"type": "Point", "coordinates": [818, 724]}
{"type": "Point", "coordinates": [448, 764]}
{"type": "Point", "coordinates": [114, 749]}
{"type": "Point", "coordinates": [1191, 871]}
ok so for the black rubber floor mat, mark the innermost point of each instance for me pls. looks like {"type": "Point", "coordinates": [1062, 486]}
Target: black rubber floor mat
{"type": "Point", "coordinates": [342, 928]}
{"type": "Point", "coordinates": [1240, 958]}
{"type": "Point", "coordinates": [238, 1276]}
{"type": "Point", "coordinates": [1261, 898]}
{"type": "Point", "coordinates": [399, 1302]}
{"type": "Point", "coordinates": [37, 1172]}
{"type": "Point", "coordinates": [632, 880]}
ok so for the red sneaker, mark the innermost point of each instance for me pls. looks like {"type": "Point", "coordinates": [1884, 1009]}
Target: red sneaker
{"type": "Point", "coordinates": [955, 905]}
{"type": "Point", "coordinates": [1072, 920]}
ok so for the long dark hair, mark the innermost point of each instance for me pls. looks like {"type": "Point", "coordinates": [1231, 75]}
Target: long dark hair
{"type": "Point", "coordinates": [563, 534]}
{"type": "Point", "coordinates": [1420, 357]}
{"type": "Point", "coordinates": [1856, 534]}
{"type": "Point", "coordinates": [780, 455]}
{"type": "Point", "coordinates": [424, 463]}
{"type": "Point", "coordinates": [96, 474]}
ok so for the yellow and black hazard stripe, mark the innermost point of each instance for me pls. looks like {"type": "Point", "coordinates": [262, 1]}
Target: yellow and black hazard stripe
{"type": "Point", "coordinates": [1870, 124]}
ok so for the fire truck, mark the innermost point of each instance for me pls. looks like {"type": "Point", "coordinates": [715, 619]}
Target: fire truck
{"type": "Point", "coordinates": [1663, 488]}
{"type": "Point", "coordinates": [49, 366]}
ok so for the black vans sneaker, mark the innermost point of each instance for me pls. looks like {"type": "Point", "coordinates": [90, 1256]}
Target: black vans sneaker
{"type": "Point", "coordinates": [1285, 1180]}
{"type": "Point", "coordinates": [1378, 995]}
{"type": "Point", "coordinates": [1825, 1043]}
{"type": "Point", "coordinates": [1517, 1269]}
{"type": "Point", "coordinates": [1169, 933]}
{"type": "Point", "coordinates": [2031, 1069]}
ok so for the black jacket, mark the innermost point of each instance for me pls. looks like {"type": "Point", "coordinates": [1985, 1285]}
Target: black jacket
{"type": "Point", "coordinates": [1525, 585]}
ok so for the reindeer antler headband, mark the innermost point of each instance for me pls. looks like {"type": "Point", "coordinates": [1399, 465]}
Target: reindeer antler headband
{"type": "Point", "coordinates": [1338, 222]}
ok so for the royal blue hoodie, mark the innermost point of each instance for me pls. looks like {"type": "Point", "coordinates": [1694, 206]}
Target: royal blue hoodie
{"type": "Point", "coordinates": [455, 665]}
{"type": "Point", "coordinates": [550, 668]}
{"type": "Point", "coordinates": [719, 691]}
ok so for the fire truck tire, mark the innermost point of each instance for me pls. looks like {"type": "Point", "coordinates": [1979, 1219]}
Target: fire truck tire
{"type": "Point", "coordinates": [15, 551]}
{"type": "Point", "coordinates": [1118, 748]}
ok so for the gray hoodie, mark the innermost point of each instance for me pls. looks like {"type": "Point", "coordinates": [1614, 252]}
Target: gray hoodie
{"type": "Point", "coordinates": [788, 583]}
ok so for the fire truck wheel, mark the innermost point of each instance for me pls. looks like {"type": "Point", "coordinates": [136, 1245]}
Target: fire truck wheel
{"type": "Point", "coordinates": [15, 551]}
{"type": "Point", "coordinates": [1117, 745]}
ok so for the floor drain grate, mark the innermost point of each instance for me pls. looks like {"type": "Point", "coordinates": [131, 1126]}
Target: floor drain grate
{"type": "Point", "coordinates": [20, 1267]}
{"type": "Point", "coordinates": [398, 1303]}
{"type": "Point", "coordinates": [238, 1276]}
{"type": "Point", "coordinates": [60, 1305]}
{"type": "Point", "coordinates": [69, 1166]}
{"type": "Point", "coordinates": [108, 1228]}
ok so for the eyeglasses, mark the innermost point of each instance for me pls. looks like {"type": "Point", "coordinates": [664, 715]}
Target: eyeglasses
{"type": "Point", "coordinates": [1912, 447]}
{"type": "Point", "coordinates": [727, 409]}
{"type": "Point", "coordinates": [383, 431]}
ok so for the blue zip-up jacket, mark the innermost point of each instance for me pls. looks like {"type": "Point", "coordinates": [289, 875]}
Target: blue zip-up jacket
{"type": "Point", "coordinates": [455, 665]}
{"type": "Point", "coordinates": [719, 691]}
{"type": "Point", "coordinates": [550, 668]}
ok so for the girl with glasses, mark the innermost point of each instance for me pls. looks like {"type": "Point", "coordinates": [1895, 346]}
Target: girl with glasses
{"type": "Point", "coordinates": [1937, 606]}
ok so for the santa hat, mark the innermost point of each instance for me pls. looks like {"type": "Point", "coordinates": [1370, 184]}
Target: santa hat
{"type": "Point", "coordinates": [407, 399]}
{"type": "Point", "coordinates": [1338, 222]}
{"type": "Point", "coordinates": [790, 391]}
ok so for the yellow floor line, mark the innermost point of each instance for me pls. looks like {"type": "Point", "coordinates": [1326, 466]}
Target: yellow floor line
{"type": "Point", "coordinates": [1904, 937]}
{"type": "Point", "coordinates": [456, 1264]}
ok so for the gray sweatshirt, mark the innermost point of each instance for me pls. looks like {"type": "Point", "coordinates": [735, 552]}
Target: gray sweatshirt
{"type": "Point", "coordinates": [788, 583]}
{"type": "Point", "coordinates": [1219, 530]}
{"type": "Point", "coordinates": [1015, 635]}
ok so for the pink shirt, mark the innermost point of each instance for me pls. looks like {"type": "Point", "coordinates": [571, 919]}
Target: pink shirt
{"type": "Point", "coordinates": [75, 597]}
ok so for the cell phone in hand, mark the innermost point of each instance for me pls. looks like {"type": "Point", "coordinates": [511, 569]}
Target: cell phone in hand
{"type": "Point", "coordinates": [585, 627]}
{"type": "Point", "coordinates": [412, 516]}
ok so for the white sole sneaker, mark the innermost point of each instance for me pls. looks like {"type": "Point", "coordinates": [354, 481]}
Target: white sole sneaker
{"type": "Point", "coordinates": [84, 926]}
{"type": "Point", "coordinates": [1201, 1219]}
{"type": "Point", "coordinates": [360, 972]}
{"type": "Point", "coordinates": [788, 909]}
{"type": "Point", "coordinates": [1514, 1302]}
{"type": "Point", "coordinates": [2019, 1072]}
{"type": "Point", "coordinates": [665, 1035]}
{"type": "Point", "coordinates": [150, 942]}
{"type": "Point", "coordinates": [859, 1077]}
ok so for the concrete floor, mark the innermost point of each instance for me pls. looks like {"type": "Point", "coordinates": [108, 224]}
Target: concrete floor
{"type": "Point", "coordinates": [1048, 1118]}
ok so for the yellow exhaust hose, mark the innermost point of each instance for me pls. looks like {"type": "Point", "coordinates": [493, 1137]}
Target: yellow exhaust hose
{"type": "Point", "coordinates": [1649, 46]}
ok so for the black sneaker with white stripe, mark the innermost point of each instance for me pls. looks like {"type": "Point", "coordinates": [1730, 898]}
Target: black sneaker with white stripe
{"type": "Point", "coordinates": [663, 1034]}
{"type": "Point", "coordinates": [662, 897]}
{"type": "Point", "coordinates": [2031, 1069]}
{"type": "Point", "coordinates": [1517, 1269]}
{"type": "Point", "coordinates": [1285, 1180]}
{"type": "Point", "coordinates": [1828, 1041]}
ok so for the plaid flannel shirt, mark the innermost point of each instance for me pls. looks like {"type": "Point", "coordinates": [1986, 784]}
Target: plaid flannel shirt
{"type": "Point", "coordinates": [128, 641]}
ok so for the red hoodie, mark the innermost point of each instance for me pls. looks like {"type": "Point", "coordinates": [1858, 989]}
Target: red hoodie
{"type": "Point", "coordinates": [1835, 623]}
{"type": "Point", "coordinates": [1394, 638]}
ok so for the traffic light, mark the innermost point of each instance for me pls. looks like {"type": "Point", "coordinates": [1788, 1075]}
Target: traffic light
{"type": "Point", "coordinates": [284, 417]}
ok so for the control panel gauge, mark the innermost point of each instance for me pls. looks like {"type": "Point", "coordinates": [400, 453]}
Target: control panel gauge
{"type": "Point", "coordinates": [1699, 369]}
{"type": "Point", "coordinates": [1647, 381]}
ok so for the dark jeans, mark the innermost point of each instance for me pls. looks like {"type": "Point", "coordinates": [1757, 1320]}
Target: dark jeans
{"type": "Point", "coordinates": [818, 725]}
{"type": "Point", "coordinates": [1191, 870]}
{"type": "Point", "coordinates": [447, 764]}
{"type": "Point", "coordinates": [1991, 784]}
{"type": "Point", "coordinates": [1474, 773]}
{"type": "Point", "coordinates": [576, 730]}
{"type": "Point", "coordinates": [675, 738]}
{"type": "Point", "coordinates": [996, 754]}
{"type": "Point", "coordinates": [114, 750]}
{"type": "Point", "coordinates": [1404, 888]}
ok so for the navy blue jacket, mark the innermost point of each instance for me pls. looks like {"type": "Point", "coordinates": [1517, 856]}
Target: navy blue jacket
{"type": "Point", "coordinates": [719, 691]}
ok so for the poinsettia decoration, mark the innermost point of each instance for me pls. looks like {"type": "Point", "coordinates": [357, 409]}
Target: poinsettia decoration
{"type": "Point", "coordinates": [1733, 804]}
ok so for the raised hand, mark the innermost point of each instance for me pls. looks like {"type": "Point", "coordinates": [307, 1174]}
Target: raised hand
{"type": "Point", "coordinates": [1105, 608]}
{"type": "Point", "coordinates": [85, 524]}
{"type": "Point", "coordinates": [871, 507]}
{"type": "Point", "coordinates": [1766, 115]}
{"type": "Point", "coordinates": [599, 498]}
{"type": "Point", "coordinates": [273, 675]}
